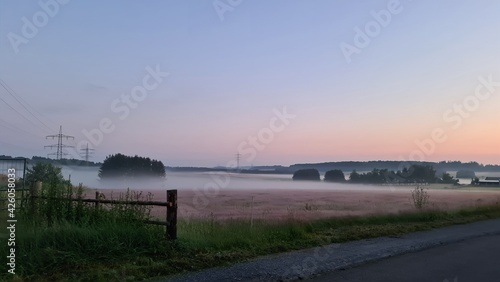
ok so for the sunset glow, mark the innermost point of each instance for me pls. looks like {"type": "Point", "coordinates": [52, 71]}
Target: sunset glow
{"type": "Point", "coordinates": [426, 67]}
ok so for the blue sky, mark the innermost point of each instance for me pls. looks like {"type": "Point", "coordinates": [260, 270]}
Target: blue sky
{"type": "Point", "coordinates": [226, 78]}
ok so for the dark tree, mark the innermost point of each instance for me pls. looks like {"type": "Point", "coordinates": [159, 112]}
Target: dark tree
{"type": "Point", "coordinates": [46, 173]}
{"type": "Point", "coordinates": [335, 175]}
{"type": "Point", "coordinates": [127, 167]}
{"type": "Point", "coordinates": [307, 174]}
{"type": "Point", "coordinates": [376, 176]}
{"type": "Point", "coordinates": [448, 179]}
{"type": "Point", "coordinates": [475, 181]}
{"type": "Point", "coordinates": [355, 177]}
{"type": "Point", "coordinates": [419, 174]}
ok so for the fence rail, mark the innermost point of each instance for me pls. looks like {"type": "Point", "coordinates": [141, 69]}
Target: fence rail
{"type": "Point", "coordinates": [112, 202]}
{"type": "Point", "coordinates": [19, 166]}
{"type": "Point", "coordinates": [170, 204]}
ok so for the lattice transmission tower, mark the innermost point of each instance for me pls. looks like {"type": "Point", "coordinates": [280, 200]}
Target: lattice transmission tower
{"type": "Point", "coordinates": [86, 153]}
{"type": "Point", "coordinates": [238, 157]}
{"type": "Point", "coordinates": [59, 146]}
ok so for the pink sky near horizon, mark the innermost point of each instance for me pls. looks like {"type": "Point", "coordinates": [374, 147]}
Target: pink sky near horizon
{"type": "Point", "coordinates": [228, 77]}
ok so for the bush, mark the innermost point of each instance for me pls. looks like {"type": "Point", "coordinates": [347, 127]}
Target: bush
{"type": "Point", "coordinates": [420, 197]}
{"type": "Point", "coordinates": [307, 174]}
{"type": "Point", "coordinates": [335, 175]}
{"type": "Point", "coordinates": [46, 173]}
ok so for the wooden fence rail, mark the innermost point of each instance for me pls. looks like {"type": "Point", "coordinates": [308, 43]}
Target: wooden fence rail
{"type": "Point", "coordinates": [112, 202]}
{"type": "Point", "coordinates": [170, 204]}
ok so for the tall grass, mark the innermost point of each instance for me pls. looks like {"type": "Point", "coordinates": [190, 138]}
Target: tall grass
{"type": "Point", "coordinates": [62, 203]}
{"type": "Point", "coordinates": [58, 231]}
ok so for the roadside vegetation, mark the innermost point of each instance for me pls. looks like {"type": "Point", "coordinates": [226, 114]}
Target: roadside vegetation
{"type": "Point", "coordinates": [61, 240]}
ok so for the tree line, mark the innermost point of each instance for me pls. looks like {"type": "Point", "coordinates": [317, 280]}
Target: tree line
{"type": "Point", "coordinates": [396, 165]}
{"type": "Point", "coordinates": [414, 174]}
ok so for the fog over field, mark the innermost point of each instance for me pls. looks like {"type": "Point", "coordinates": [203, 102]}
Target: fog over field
{"type": "Point", "coordinates": [194, 180]}
{"type": "Point", "coordinates": [188, 180]}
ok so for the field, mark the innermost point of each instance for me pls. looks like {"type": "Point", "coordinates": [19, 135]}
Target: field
{"type": "Point", "coordinates": [341, 201]}
{"type": "Point", "coordinates": [277, 197]}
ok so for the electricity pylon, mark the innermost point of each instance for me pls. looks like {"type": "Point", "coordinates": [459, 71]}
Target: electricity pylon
{"type": "Point", "coordinates": [238, 156]}
{"type": "Point", "coordinates": [87, 152]}
{"type": "Point", "coordinates": [59, 152]}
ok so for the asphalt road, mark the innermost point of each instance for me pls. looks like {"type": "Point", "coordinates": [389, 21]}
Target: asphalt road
{"type": "Point", "coordinates": [469, 252]}
{"type": "Point", "coordinates": [470, 260]}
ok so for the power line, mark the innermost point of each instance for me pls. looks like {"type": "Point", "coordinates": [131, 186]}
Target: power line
{"type": "Point", "coordinates": [19, 130]}
{"type": "Point", "coordinates": [14, 94]}
{"type": "Point", "coordinates": [59, 152]}
{"type": "Point", "coordinates": [26, 103]}
{"type": "Point", "coordinates": [30, 121]}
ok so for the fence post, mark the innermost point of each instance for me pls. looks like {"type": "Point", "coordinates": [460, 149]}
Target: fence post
{"type": "Point", "coordinates": [171, 214]}
{"type": "Point", "coordinates": [97, 198]}
{"type": "Point", "coordinates": [34, 189]}
{"type": "Point", "coordinates": [23, 193]}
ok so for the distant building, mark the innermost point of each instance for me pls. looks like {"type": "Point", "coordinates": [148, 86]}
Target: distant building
{"type": "Point", "coordinates": [490, 181]}
{"type": "Point", "coordinates": [492, 178]}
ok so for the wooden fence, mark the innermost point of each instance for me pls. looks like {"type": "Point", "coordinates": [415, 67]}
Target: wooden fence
{"type": "Point", "coordinates": [170, 204]}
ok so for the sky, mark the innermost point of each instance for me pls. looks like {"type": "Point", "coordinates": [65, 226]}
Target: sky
{"type": "Point", "coordinates": [194, 83]}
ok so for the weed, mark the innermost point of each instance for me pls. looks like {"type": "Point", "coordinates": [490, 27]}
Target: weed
{"type": "Point", "coordinates": [420, 197]}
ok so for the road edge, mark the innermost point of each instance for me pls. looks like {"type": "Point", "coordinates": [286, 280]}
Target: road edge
{"type": "Point", "coordinates": [304, 264]}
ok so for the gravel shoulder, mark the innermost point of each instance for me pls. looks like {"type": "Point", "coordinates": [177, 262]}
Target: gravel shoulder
{"type": "Point", "coordinates": [309, 263]}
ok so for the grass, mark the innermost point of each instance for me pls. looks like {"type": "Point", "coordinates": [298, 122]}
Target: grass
{"type": "Point", "coordinates": [114, 250]}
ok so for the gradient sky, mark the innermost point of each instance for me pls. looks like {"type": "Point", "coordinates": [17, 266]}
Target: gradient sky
{"type": "Point", "coordinates": [228, 76]}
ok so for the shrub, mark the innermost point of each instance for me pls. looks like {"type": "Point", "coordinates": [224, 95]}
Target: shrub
{"type": "Point", "coordinates": [420, 197]}
{"type": "Point", "coordinates": [46, 173]}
